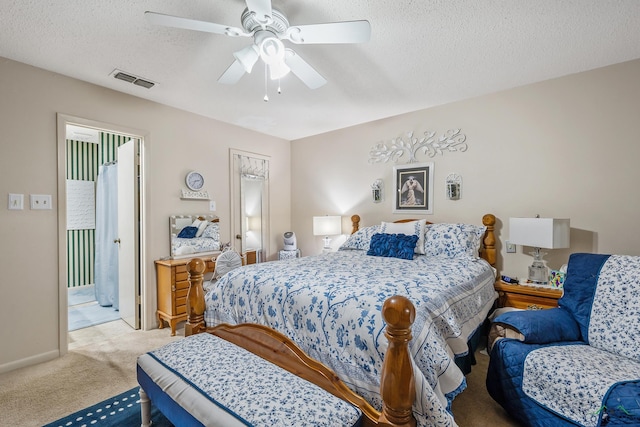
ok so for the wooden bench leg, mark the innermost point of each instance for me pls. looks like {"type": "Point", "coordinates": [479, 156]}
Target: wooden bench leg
{"type": "Point", "coordinates": [145, 409]}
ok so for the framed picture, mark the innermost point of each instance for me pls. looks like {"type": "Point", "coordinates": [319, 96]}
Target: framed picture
{"type": "Point", "coordinates": [413, 184]}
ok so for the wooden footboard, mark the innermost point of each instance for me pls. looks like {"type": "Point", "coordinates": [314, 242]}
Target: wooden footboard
{"type": "Point", "coordinates": [397, 387]}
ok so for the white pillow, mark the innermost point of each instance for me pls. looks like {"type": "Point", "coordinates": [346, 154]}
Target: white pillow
{"type": "Point", "coordinates": [408, 228]}
{"type": "Point", "coordinates": [202, 225]}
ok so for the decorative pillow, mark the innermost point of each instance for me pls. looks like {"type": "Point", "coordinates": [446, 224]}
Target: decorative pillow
{"type": "Point", "coordinates": [393, 245]}
{"type": "Point", "coordinates": [408, 228]}
{"type": "Point", "coordinates": [188, 232]}
{"type": "Point", "coordinates": [201, 225]}
{"type": "Point", "coordinates": [212, 231]}
{"type": "Point", "coordinates": [453, 240]}
{"type": "Point", "coordinates": [361, 238]}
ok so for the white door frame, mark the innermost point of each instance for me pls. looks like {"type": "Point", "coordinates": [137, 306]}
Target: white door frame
{"type": "Point", "coordinates": [62, 121]}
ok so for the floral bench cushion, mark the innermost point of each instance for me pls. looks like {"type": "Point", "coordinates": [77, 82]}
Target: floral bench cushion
{"type": "Point", "coordinates": [251, 389]}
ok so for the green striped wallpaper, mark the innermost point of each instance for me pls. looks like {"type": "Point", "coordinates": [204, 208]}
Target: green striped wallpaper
{"type": "Point", "coordinates": [83, 161]}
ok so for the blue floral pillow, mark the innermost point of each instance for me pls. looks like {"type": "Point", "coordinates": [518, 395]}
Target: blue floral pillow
{"type": "Point", "coordinates": [188, 232]}
{"type": "Point", "coordinates": [453, 240]}
{"type": "Point", "coordinates": [393, 245]}
{"type": "Point", "coordinates": [212, 231]}
{"type": "Point", "coordinates": [361, 238]}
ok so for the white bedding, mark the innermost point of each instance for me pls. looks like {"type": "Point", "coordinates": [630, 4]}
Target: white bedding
{"type": "Point", "coordinates": [329, 305]}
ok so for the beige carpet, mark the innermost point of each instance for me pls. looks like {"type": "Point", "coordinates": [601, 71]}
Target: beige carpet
{"type": "Point", "coordinates": [101, 363]}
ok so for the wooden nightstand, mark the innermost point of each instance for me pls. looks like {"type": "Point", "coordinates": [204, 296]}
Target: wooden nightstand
{"type": "Point", "coordinates": [172, 286]}
{"type": "Point", "coordinates": [526, 297]}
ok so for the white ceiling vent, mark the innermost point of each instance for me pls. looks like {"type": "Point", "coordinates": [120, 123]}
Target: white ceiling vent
{"type": "Point", "coordinates": [130, 78]}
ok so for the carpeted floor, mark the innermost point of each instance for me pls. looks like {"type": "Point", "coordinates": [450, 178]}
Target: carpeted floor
{"type": "Point", "coordinates": [101, 363]}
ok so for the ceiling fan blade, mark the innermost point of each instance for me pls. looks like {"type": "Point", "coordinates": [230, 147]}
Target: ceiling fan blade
{"type": "Point", "coordinates": [233, 74]}
{"type": "Point", "coordinates": [303, 70]}
{"type": "Point", "coordinates": [261, 8]}
{"type": "Point", "coordinates": [193, 24]}
{"type": "Point", "coordinates": [332, 32]}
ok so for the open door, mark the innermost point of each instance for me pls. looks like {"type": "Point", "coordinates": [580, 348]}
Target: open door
{"type": "Point", "coordinates": [128, 244]}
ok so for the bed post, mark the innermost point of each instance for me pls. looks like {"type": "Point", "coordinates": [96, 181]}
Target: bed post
{"type": "Point", "coordinates": [397, 384]}
{"type": "Point", "coordinates": [355, 223]}
{"type": "Point", "coordinates": [488, 251]}
{"type": "Point", "coordinates": [195, 298]}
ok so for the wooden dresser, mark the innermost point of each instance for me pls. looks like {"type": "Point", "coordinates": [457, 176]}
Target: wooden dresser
{"type": "Point", "coordinates": [173, 284]}
{"type": "Point", "coordinates": [526, 297]}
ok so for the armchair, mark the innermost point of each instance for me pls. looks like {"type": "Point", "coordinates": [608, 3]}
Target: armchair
{"type": "Point", "coordinates": [578, 364]}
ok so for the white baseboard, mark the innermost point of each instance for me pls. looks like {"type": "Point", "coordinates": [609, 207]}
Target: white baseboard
{"type": "Point", "coordinates": [28, 361]}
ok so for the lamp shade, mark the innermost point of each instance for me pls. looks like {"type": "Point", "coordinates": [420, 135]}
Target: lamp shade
{"type": "Point", "coordinates": [548, 233]}
{"type": "Point", "coordinates": [327, 225]}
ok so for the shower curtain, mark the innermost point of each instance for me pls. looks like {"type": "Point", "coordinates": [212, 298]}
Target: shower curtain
{"type": "Point", "coordinates": [106, 251]}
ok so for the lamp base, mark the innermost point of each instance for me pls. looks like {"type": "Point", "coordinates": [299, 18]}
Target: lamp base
{"type": "Point", "coordinates": [327, 242]}
{"type": "Point", "coordinates": [538, 271]}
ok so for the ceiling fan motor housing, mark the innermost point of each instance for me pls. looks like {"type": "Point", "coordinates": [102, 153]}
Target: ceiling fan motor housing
{"type": "Point", "coordinates": [277, 25]}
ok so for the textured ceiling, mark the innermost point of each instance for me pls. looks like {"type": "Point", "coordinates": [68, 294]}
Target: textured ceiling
{"type": "Point", "coordinates": [421, 54]}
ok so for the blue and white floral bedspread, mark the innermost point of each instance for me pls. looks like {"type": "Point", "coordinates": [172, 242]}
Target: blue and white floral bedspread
{"type": "Point", "coordinates": [330, 306]}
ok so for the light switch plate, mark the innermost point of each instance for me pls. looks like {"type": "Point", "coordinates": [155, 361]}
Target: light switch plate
{"type": "Point", "coordinates": [212, 205]}
{"type": "Point", "coordinates": [511, 247]}
{"type": "Point", "coordinates": [40, 201]}
{"type": "Point", "coordinates": [16, 202]}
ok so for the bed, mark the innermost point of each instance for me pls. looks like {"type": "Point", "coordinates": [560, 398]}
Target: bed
{"type": "Point", "coordinates": [329, 305]}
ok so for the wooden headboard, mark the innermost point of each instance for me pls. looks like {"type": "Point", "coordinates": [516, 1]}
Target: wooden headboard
{"type": "Point", "coordinates": [488, 249]}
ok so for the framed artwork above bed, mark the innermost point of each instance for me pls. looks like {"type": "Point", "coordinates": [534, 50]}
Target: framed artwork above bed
{"type": "Point", "coordinates": [413, 184]}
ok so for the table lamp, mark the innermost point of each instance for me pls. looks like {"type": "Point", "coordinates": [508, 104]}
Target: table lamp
{"type": "Point", "coordinates": [327, 226]}
{"type": "Point", "coordinates": [547, 233]}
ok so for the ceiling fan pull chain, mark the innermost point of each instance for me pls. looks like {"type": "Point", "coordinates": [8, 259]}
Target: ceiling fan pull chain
{"type": "Point", "coordinates": [266, 97]}
{"type": "Point", "coordinates": [279, 89]}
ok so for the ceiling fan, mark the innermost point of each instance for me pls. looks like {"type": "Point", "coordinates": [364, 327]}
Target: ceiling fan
{"type": "Point", "coordinates": [268, 27]}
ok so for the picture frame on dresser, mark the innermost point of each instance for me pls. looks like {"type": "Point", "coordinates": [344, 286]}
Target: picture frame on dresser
{"type": "Point", "coordinates": [413, 185]}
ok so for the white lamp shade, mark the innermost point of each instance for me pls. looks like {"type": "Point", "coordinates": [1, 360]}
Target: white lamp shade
{"type": "Point", "coordinates": [548, 233]}
{"type": "Point", "coordinates": [247, 57]}
{"type": "Point", "coordinates": [327, 225]}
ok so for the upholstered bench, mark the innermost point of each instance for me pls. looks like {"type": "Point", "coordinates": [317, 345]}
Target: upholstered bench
{"type": "Point", "coordinates": [206, 380]}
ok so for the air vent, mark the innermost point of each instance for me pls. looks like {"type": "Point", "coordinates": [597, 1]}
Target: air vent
{"type": "Point", "coordinates": [144, 83]}
{"type": "Point", "coordinates": [130, 78]}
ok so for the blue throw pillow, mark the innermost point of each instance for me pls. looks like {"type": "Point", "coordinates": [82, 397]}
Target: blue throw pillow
{"type": "Point", "coordinates": [188, 232]}
{"type": "Point", "coordinates": [393, 245]}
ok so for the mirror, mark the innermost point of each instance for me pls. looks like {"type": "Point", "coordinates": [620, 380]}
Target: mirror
{"type": "Point", "coordinates": [249, 176]}
{"type": "Point", "coordinates": [191, 235]}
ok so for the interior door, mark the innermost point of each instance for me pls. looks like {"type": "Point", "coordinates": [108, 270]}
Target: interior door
{"type": "Point", "coordinates": [128, 252]}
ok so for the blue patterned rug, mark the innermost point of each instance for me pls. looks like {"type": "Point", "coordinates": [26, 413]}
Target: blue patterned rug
{"type": "Point", "coordinates": [122, 410]}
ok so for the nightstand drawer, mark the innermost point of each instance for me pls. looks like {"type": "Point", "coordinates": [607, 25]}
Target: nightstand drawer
{"type": "Point", "coordinates": [526, 297]}
{"type": "Point", "coordinates": [528, 302]}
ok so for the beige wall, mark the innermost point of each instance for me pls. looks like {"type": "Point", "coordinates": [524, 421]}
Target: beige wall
{"type": "Point", "coordinates": [564, 148]}
{"type": "Point", "coordinates": [177, 142]}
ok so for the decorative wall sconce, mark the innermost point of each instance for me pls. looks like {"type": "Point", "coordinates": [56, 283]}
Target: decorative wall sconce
{"type": "Point", "coordinates": [376, 190]}
{"type": "Point", "coordinates": [454, 186]}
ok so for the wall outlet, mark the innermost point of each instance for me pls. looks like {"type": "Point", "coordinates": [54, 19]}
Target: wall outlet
{"type": "Point", "coordinates": [16, 202]}
{"type": "Point", "coordinates": [212, 205]}
{"type": "Point", "coordinates": [40, 201]}
{"type": "Point", "coordinates": [511, 247]}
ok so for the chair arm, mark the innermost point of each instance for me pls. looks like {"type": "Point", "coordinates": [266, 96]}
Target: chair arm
{"type": "Point", "coordinates": [535, 326]}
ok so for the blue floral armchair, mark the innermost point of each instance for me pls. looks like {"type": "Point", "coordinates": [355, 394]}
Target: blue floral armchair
{"type": "Point", "coordinates": [578, 364]}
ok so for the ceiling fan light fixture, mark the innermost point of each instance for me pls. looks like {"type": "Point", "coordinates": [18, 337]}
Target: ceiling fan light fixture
{"type": "Point", "coordinates": [278, 70]}
{"type": "Point", "coordinates": [247, 57]}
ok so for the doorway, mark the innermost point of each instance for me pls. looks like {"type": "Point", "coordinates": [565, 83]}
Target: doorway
{"type": "Point", "coordinates": [90, 152]}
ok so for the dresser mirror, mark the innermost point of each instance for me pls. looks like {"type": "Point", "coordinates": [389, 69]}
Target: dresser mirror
{"type": "Point", "coordinates": [194, 235]}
